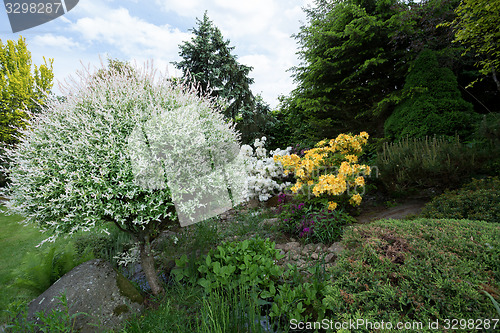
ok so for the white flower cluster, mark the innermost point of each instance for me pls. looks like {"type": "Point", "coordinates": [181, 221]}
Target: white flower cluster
{"type": "Point", "coordinates": [264, 175]}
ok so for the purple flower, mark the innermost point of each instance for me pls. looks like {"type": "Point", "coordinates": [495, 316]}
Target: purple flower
{"type": "Point", "coordinates": [306, 229]}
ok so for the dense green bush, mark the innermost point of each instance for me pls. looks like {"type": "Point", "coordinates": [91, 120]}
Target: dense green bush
{"type": "Point", "coordinates": [479, 200]}
{"type": "Point", "coordinates": [433, 106]}
{"type": "Point", "coordinates": [417, 270]}
{"type": "Point", "coordinates": [426, 163]}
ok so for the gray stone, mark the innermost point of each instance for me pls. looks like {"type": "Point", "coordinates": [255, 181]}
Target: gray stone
{"type": "Point", "coordinates": [320, 247]}
{"type": "Point", "coordinates": [330, 257]}
{"type": "Point", "coordinates": [269, 222]}
{"type": "Point", "coordinates": [309, 247]}
{"type": "Point", "coordinates": [96, 289]}
{"type": "Point", "coordinates": [295, 246]}
{"type": "Point", "coordinates": [336, 248]}
{"type": "Point", "coordinates": [314, 256]}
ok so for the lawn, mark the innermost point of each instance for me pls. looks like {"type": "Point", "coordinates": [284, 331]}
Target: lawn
{"type": "Point", "coordinates": [15, 240]}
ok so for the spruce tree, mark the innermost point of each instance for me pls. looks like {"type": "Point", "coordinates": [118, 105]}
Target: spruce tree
{"type": "Point", "coordinates": [207, 59]}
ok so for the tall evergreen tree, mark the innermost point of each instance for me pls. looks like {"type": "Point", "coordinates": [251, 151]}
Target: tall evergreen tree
{"type": "Point", "coordinates": [208, 60]}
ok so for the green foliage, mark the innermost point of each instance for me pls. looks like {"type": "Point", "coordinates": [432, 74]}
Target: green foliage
{"type": "Point", "coordinates": [56, 321]}
{"type": "Point", "coordinates": [250, 262]}
{"type": "Point", "coordinates": [476, 27]}
{"type": "Point", "coordinates": [39, 271]}
{"type": "Point", "coordinates": [312, 224]}
{"type": "Point", "coordinates": [21, 87]}
{"type": "Point", "coordinates": [433, 104]}
{"type": "Point", "coordinates": [479, 200]}
{"type": "Point", "coordinates": [417, 270]}
{"type": "Point", "coordinates": [426, 163]}
{"type": "Point", "coordinates": [346, 66]}
{"type": "Point", "coordinates": [299, 298]}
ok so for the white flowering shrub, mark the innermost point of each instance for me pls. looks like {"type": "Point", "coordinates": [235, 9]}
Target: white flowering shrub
{"type": "Point", "coordinates": [265, 177]}
{"type": "Point", "coordinates": [121, 148]}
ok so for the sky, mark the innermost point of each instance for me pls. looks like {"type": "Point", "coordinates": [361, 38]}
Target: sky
{"type": "Point", "coordinates": [152, 30]}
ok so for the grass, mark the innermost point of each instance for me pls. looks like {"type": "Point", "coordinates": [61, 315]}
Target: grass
{"type": "Point", "coordinates": [15, 240]}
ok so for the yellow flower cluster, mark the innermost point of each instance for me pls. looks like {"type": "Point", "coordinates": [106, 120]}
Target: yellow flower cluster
{"type": "Point", "coordinates": [330, 168]}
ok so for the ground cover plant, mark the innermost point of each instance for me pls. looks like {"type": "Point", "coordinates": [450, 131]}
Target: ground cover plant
{"type": "Point", "coordinates": [419, 270]}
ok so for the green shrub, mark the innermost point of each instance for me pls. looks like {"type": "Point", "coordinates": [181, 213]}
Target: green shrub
{"type": "Point", "coordinates": [426, 163]}
{"type": "Point", "coordinates": [479, 200]}
{"type": "Point", "coordinates": [39, 271]}
{"type": "Point", "coordinates": [417, 270]}
{"type": "Point", "coordinates": [434, 105]}
{"type": "Point", "coordinates": [250, 262]}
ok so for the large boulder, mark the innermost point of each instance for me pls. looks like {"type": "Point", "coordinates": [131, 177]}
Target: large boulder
{"type": "Point", "coordinates": [96, 289]}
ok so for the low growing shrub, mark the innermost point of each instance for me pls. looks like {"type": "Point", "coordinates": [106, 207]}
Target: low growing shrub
{"type": "Point", "coordinates": [422, 270]}
{"type": "Point", "coordinates": [479, 200]}
{"type": "Point", "coordinates": [426, 163]}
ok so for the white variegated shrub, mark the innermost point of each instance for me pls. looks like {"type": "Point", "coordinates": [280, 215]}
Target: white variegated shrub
{"type": "Point", "coordinates": [127, 148]}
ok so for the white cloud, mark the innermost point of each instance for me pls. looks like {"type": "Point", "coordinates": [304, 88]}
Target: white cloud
{"type": "Point", "coordinates": [54, 41]}
{"type": "Point", "coordinates": [131, 35]}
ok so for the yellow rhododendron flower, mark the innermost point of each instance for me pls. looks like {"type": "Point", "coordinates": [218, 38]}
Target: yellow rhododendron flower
{"type": "Point", "coordinates": [332, 205]}
{"type": "Point", "coordinates": [360, 181]}
{"type": "Point", "coordinates": [335, 162]}
{"type": "Point", "coordinates": [356, 199]}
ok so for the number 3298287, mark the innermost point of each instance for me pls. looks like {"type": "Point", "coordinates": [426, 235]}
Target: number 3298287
{"type": "Point", "coordinates": [33, 8]}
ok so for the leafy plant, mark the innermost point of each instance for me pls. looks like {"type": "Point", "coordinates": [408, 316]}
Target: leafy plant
{"type": "Point", "coordinates": [103, 246]}
{"type": "Point", "coordinates": [250, 262]}
{"type": "Point", "coordinates": [312, 224]}
{"type": "Point", "coordinates": [39, 271]}
{"type": "Point", "coordinates": [478, 200]}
